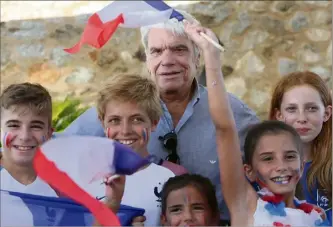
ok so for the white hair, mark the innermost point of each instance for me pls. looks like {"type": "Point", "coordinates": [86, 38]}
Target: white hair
{"type": "Point", "coordinates": [173, 25]}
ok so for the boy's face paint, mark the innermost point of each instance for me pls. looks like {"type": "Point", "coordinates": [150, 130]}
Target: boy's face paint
{"type": "Point", "coordinates": [261, 180]}
{"type": "Point", "coordinates": [22, 131]}
{"type": "Point", "coordinates": [7, 139]}
{"type": "Point", "coordinates": [145, 135]}
{"type": "Point", "coordinates": [187, 207]}
{"type": "Point", "coordinates": [129, 124]}
{"type": "Point", "coordinates": [277, 163]}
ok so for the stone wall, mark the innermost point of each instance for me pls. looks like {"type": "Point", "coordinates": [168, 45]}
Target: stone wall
{"type": "Point", "coordinates": [265, 40]}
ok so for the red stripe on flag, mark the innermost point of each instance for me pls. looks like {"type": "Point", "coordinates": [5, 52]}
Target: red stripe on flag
{"type": "Point", "coordinates": [48, 171]}
{"type": "Point", "coordinates": [96, 33]}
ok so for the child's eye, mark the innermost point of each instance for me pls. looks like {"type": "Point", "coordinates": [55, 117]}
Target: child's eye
{"type": "Point", "coordinates": [114, 121]}
{"type": "Point", "coordinates": [312, 108]}
{"type": "Point", "coordinates": [291, 157]}
{"type": "Point", "coordinates": [198, 208]}
{"type": "Point", "coordinates": [267, 159]}
{"type": "Point", "coordinates": [175, 210]}
{"type": "Point", "coordinates": [37, 126]}
{"type": "Point", "coordinates": [291, 109]}
{"type": "Point", "coordinates": [138, 119]}
{"type": "Point", "coordinates": [13, 126]}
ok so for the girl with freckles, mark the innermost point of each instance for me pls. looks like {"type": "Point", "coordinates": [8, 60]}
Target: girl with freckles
{"type": "Point", "coordinates": [303, 101]}
{"type": "Point", "coordinates": [273, 159]}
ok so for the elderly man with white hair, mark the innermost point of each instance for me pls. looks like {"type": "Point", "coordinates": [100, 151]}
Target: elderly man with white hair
{"type": "Point", "coordinates": [185, 133]}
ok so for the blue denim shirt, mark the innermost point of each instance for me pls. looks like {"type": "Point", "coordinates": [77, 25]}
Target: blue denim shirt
{"type": "Point", "coordinates": [196, 136]}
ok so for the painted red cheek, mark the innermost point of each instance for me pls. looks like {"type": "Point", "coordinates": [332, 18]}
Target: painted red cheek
{"type": "Point", "coordinates": [108, 133]}
{"type": "Point", "coordinates": [8, 138]}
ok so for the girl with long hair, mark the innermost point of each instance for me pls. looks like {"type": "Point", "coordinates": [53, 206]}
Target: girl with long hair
{"type": "Point", "coordinates": [302, 100]}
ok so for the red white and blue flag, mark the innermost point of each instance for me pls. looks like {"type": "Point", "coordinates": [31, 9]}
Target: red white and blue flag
{"type": "Point", "coordinates": [20, 209]}
{"type": "Point", "coordinates": [127, 14]}
{"type": "Point", "coordinates": [71, 164]}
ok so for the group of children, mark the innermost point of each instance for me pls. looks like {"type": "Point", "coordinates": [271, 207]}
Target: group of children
{"type": "Point", "coordinates": [290, 150]}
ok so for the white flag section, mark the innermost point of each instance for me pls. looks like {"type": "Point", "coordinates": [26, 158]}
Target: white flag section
{"type": "Point", "coordinates": [128, 14]}
{"type": "Point", "coordinates": [136, 13]}
{"type": "Point", "coordinates": [71, 164]}
{"type": "Point", "coordinates": [19, 209]}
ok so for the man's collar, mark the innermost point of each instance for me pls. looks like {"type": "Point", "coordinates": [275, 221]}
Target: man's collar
{"type": "Point", "coordinates": [195, 95]}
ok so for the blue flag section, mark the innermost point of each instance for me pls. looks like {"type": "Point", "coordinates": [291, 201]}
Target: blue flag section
{"type": "Point", "coordinates": [19, 209]}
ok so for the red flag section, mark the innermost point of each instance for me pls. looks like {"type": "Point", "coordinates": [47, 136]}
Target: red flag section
{"type": "Point", "coordinates": [96, 33]}
{"type": "Point", "coordinates": [48, 171]}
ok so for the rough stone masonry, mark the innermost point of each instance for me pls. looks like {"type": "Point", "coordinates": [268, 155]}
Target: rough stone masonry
{"type": "Point", "coordinates": [265, 40]}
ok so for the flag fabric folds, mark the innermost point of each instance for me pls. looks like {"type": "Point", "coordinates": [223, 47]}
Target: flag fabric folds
{"type": "Point", "coordinates": [20, 209]}
{"type": "Point", "coordinates": [128, 14]}
{"type": "Point", "coordinates": [71, 164]}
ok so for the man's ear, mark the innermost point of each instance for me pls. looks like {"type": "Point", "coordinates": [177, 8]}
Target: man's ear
{"type": "Point", "coordinates": [251, 176]}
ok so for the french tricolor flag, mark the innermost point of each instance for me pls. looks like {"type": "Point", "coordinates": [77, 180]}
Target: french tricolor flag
{"type": "Point", "coordinates": [21, 209]}
{"type": "Point", "coordinates": [127, 14]}
{"type": "Point", "coordinates": [71, 164]}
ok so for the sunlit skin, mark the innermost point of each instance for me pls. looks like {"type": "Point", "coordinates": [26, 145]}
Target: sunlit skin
{"type": "Point", "coordinates": [171, 60]}
{"type": "Point", "coordinates": [276, 164]}
{"type": "Point", "coordinates": [128, 124]}
{"type": "Point", "coordinates": [27, 130]}
{"type": "Point", "coordinates": [187, 207]}
{"type": "Point", "coordinates": [303, 109]}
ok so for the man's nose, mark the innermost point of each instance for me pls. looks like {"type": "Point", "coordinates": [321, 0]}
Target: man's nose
{"type": "Point", "coordinates": [167, 58]}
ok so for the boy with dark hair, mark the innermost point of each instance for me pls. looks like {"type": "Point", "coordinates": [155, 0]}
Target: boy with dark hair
{"type": "Point", "coordinates": [26, 116]}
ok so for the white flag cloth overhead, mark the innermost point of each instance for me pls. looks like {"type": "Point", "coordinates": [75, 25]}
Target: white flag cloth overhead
{"type": "Point", "coordinates": [129, 14]}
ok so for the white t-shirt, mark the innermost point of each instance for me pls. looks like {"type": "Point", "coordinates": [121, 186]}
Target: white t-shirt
{"type": "Point", "coordinates": [142, 190]}
{"type": "Point", "coordinates": [38, 187]}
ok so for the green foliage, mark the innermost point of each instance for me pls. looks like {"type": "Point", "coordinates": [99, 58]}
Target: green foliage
{"type": "Point", "coordinates": [65, 112]}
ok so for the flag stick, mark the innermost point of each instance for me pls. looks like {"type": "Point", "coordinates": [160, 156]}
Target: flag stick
{"type": "Point", "coordinates": [218, 46]}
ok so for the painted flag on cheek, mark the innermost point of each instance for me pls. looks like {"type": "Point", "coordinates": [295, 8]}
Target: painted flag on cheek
{"type": "Point", "coordinates": [71, 164]}
{"type": "Point", "coordinates": [128, 14]}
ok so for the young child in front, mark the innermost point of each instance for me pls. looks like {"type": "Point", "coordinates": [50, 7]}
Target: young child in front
{"type": "Point", "coordinates": [273, 153]}
{"type": "Point", "coordinates": [129, 109]}
{"type": "Point", "coordinates": [26, 114]}
{"type": "Point", "coordinates": [189, 200]}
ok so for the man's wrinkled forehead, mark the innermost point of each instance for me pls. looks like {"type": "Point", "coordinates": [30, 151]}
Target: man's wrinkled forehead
{"type": "Point", "coordinates": [162, 38]}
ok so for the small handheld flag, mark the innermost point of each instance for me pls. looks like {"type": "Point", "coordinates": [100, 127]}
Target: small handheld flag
{"type": "Point", "coordinates": [70, 164]}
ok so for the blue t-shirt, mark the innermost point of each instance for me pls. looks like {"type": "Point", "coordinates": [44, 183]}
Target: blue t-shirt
{"type": "Point", "coordinates": [316, 196]}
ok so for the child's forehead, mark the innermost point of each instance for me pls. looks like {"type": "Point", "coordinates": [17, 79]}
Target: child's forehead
{"type": "Point", "coordinates": [22, 112]}
{"type": "Point", "coordinates": [276, 143]}
{"type": "Point", "coordinates": [125, 107]}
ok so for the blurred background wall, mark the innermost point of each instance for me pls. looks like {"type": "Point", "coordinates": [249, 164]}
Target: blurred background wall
{"type": "Point", "coordinates": [265, 40]}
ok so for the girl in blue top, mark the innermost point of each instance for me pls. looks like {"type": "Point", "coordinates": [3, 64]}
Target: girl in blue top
{"type": "Point", "coordinates": [303, 101]}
